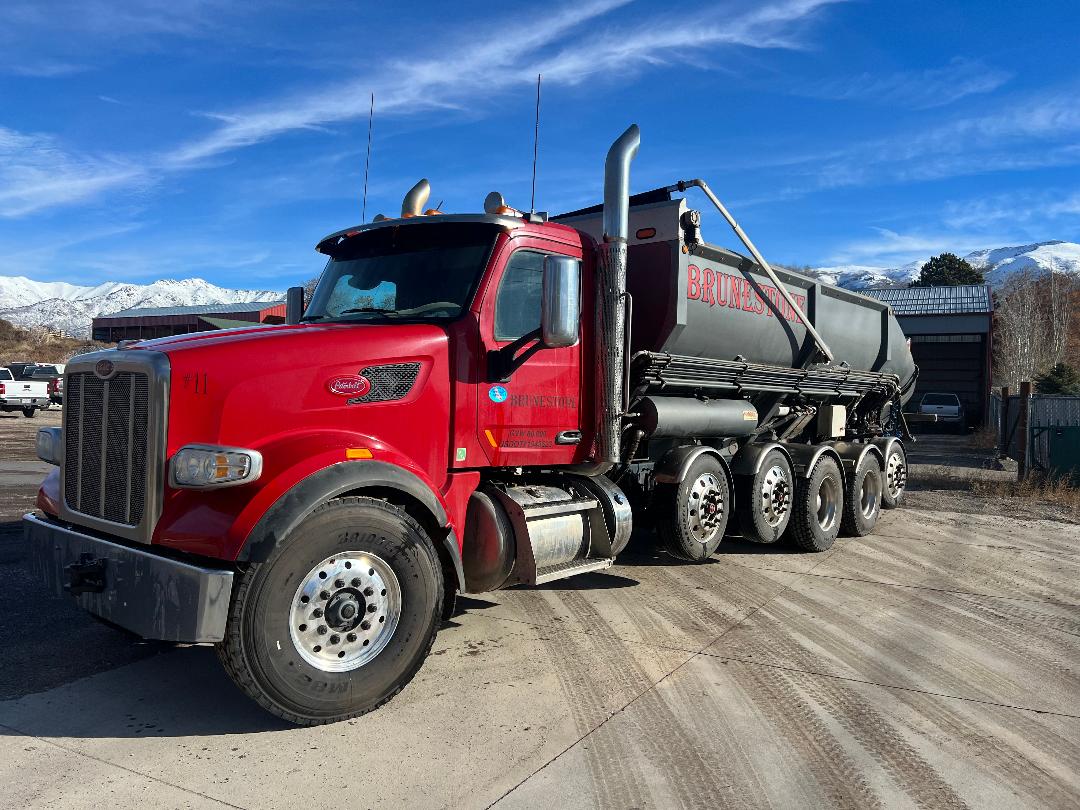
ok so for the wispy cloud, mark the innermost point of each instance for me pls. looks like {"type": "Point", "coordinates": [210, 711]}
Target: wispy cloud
{"type": "Point", "coordinates": [1035, 132]}
{"type": "Point", "coordinates": [116, 18]}
{"type": "Point", "coordinates": [923, 89]}
{"type": "Point", "coordinates": [504, 59]}
{"type": "Point", "coordinates": [965, 224]}
{"type": "Point", "coordinates": [889, 248]}
{"type": "Point", "coordinates": [40, 68]}
{"type": "Point", "coordinates": [36, 172]}
{"type": "Point", "coordinates": [468, 68]}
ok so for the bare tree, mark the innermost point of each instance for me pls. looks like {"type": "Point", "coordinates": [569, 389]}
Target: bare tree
{"type": "Point", "coordinates": [1033, 325]}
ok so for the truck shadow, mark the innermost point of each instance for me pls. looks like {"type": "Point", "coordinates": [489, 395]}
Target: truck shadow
{"type": "Point", "coordinates": [174, 691]}
{"type": "Point", "coordinates": [181, 692]}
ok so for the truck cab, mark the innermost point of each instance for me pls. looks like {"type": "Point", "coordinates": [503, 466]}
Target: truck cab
{"type": "Point", "coordinates": [466, 403]}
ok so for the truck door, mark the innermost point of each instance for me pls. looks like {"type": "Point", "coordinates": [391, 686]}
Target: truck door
{"type": "Point", "coordinates": [528, 408]}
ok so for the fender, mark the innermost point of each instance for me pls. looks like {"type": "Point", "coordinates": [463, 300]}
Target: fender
{"type": "Point", "coordinates": [750, 457]}
{"type": "Point", "coordinates": [852, 454]}
{"type": "Point", "coordinates": [330, 482]}
{"type": "Point", "coordinates": [885, 445]}
{"type": "Point", "coordinates": [805, 456]}
{"type": "Point", "coordinates": [675, 464]}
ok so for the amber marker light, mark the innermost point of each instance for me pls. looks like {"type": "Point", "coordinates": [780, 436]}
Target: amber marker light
{"type": "Point", "coordinates": [353, 453]}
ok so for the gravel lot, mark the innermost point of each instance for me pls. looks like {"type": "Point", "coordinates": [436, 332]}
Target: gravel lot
{"type": "Point", "coordinates": [935, 664]}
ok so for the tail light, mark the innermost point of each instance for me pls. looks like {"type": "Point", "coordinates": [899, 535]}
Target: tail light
{"type": "Point", "coordinates": [3, 389]}
{"type": "Point", "coordinates": [53, 387]}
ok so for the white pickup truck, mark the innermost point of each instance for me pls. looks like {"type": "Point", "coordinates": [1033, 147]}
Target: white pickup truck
{"type": "Point", "coordinates": [22, 395]}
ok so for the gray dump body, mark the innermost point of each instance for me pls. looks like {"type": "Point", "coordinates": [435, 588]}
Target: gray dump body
{"type": "Point", "coordinates": [696, 300]}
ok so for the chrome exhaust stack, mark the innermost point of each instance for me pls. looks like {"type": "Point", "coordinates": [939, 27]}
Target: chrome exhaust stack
{"type": "Point", "coordinates": [611, 295]}
{"type": "Point", "coordinates": [416, 199]}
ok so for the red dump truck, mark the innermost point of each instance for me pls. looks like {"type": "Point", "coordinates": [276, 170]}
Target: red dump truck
{"type": "Point", "coordinates": [468, 402]}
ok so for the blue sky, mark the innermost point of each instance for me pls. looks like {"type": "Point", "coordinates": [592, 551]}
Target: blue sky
{"type": "Point", "coordinates": [142, 139]}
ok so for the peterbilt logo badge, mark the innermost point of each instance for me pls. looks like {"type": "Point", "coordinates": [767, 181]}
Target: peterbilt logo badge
{"type": "Point", "coordinates": [103, 368]}
{"type": "Point", "coordinates": [349, 386]}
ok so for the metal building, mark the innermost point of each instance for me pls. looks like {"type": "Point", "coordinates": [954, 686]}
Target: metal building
{"type": "Point", "coordinates": [143, 323]}
{"type": "Point", "coordinates": [951, 333]}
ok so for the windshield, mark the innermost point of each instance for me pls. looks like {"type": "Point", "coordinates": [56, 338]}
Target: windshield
{"type": "Point", "coordinates": [940, 399]}
{"type": "Point", "coordinates": [407, 272]}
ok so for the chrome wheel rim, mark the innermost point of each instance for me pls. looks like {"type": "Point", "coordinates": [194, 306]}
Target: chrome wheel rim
{"type": "Point", "coordinates": [827, 503]}
{"type": "Point", "coordinates": [345, 611]}
{"type": "Point", "coordinates": [895, 475]}
{"type": "Point", "coordinates": [869, 495]}
{"type": "Point", "coordinates": [775, 495]}
{"type": "Point", "coordinates": [705, 507]}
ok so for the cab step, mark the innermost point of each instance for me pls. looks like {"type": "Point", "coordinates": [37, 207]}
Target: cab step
{"type": "Point", "coordinates": [573, 568]}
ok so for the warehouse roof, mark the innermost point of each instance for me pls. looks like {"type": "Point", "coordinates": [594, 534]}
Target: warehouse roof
{"type": "Point", "coordinates": [963, 299]}
{"type": "Point", "coordinates": [228, 323]}
{"type": "Point", "coordinates": [199, 309]}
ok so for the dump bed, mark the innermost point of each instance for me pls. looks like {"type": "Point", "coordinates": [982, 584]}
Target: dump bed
{"type": "Point", "coordinates": [693, 299]}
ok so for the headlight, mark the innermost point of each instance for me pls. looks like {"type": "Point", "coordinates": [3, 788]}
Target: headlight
{"type": "Point", "coordinates": [200, 465]}
{"type": "Point", "coordinates": [49, 442]}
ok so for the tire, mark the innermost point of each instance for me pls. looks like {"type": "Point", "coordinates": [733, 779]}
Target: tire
{"type": "Point", "coordinates": [29, 413]}
{"type": "Point", "coordinates": [693, 514]}
{"type": "Point", "coordinates": [273, 648]}
{"type": "Point", "coordinates": [818, 507]}
{"type": "Point", "coordinates": [862, 499]}
{"type": "Point", "coordinates": [894, 482]}
{"type": "Point", "coordinates": [764, 499]}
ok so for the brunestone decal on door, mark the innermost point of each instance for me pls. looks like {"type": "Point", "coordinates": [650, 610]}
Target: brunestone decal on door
{"type": "Point", "coordinates": [542, 401]}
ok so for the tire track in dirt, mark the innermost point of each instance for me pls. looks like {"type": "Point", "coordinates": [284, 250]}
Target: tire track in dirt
{"type": "Point", "coordinates": [1010, 579]}
{"type": "Point", "coordinates": [688, 778]}
{"type": "Point", "coordinates": [616, 779]}
{"type": "Point", "coordinates": [997, 759]}
{"type": "Point", "coordinates": [965, 673]}
{"type": "Point", "coordinates": [837, 776]}
{"type": "Point", "coordinates": [713, 733]}
{"type": "Point", "coordinates": [951, 674]}
{"type": "Point", "coordinates": [1002, 757]}
{"type": "Point", "coordinates": [916, 777]}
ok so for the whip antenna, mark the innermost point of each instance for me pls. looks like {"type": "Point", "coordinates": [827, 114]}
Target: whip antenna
{"type": "Point", "coordinates": [367, 162]}
{"type": "Point", "coordinates": [536, 146]}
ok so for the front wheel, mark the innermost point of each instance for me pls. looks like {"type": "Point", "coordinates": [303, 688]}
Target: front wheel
{"type": "Point", "coordinates": [340, 617]}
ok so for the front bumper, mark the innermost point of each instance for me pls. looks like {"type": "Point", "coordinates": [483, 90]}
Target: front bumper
{"type": "Point", "coordinates": [151, 595]}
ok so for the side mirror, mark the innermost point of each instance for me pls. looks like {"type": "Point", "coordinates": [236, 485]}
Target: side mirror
{"type": "Point", "coordinates": [294, 304]}
{"type": "Point", "coordinates": [560, 302]}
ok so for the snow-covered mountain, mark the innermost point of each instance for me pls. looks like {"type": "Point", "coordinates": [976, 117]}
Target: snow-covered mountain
{"type": "Point", "coordinates": [997, 264]}
{"type": "Point", "coordinates": [71, 307]}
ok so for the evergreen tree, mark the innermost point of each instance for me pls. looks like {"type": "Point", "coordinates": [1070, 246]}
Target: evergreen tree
{"type": "Point", "coordinates": [947, 270]}
{"type": "Point", "coordinates": [1061, 379]}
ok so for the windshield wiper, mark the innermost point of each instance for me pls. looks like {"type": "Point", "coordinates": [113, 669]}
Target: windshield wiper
{"type": "Point", "coordinates": [379, 310]}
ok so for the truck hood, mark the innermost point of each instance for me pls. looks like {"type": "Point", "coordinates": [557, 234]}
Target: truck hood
{"type": "Point", "coordinates": [244, 386]}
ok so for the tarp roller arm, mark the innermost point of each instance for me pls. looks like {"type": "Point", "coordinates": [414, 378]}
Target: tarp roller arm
{"type": "Point", "coordinates": [682, 185]}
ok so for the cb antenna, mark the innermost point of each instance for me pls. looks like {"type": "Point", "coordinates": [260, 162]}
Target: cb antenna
{"type": "Point", "coordinates": [367, 162]}
{"type": "Point", "coordinates": [536, 146]}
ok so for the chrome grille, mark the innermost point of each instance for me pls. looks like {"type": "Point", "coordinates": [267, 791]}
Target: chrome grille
{"type": "Point", "coordinates": [390, 382]}
{"type": "Point", "coordinates": [105, 445]}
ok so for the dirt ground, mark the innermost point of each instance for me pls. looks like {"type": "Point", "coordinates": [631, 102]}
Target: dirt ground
{"type": "Point", "coordinates": [935, 663]}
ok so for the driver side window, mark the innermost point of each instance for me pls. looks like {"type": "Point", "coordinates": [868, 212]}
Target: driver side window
{"type": "Point", "coordinates": [517, 303]}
